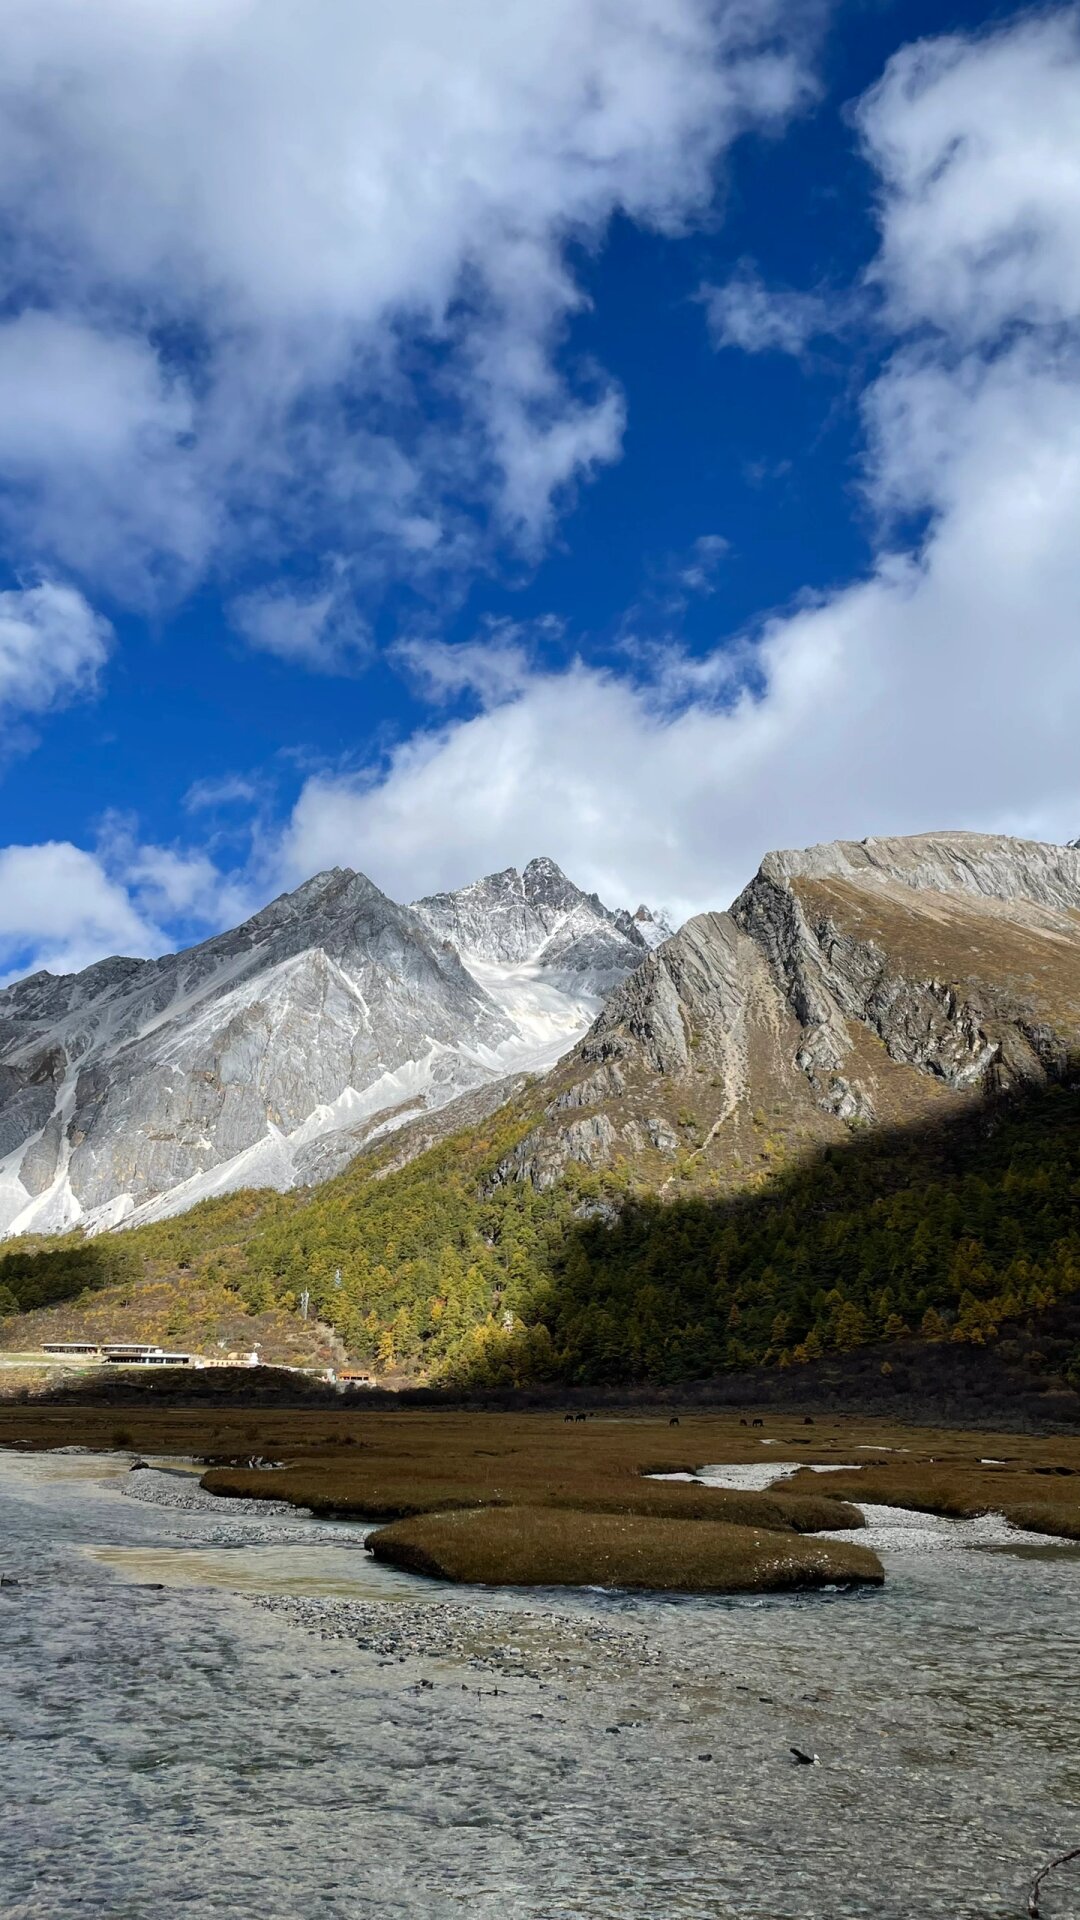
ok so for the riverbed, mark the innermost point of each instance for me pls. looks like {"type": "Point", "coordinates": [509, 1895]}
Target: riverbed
{"type": "Point", "coordinates": [220, 1713]}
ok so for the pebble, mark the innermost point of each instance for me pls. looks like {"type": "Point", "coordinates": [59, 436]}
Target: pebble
{"type": "Point", "coordinates": [484, 1640]}
{"type": "Point", "coordinates": [184, 1495]}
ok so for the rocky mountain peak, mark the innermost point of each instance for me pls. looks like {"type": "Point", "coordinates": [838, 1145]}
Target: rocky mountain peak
{"type": "Point", "coordinates": [882, 981]}
{"type": "Point", "coordinates": [543, 883]}
{"type": "Point", "coordinates": [141, 1086]}
{"type": "Point", "coordinates": [986, 865]}
{"type": "Point", "coordinates": [534, 918]}
{"type": "Point", "coordinates": [652, 928]}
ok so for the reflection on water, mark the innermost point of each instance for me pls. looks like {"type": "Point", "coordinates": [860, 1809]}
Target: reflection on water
{"type": "Point", "coordinates": [177, 1750]}
{"type": "Point", "coordinates": [322, 1569]}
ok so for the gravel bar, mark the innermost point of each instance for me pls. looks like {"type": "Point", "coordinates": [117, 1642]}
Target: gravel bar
{"type": "Point", "coordinates": [525, 1643]}
{"type": "Point", "coordinates": [183, 1494]}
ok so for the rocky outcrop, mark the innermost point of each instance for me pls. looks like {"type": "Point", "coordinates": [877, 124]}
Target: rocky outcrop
{"type": "Point", "coordinates": [986, 866]}
{"type": "Point", "coordinates": [959, 951]}
{"type": "Point", "coordinates": [849, 984]}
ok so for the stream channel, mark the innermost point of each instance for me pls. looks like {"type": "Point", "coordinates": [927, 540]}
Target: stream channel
{"type": "Point", "coordinates": [180, 1738]}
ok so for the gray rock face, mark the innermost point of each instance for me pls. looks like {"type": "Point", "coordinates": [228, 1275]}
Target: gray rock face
{"type": "Point", "coordinates": [150, 1084]}
{"type": "Point", "coordinates": [653, 928]}
{"type": "Point", "coordinates": [986, 865]}
{"type": "Point", "coordinates": [856, 982]}
{"type": "Point", "coordinates": [537, 919]}
{"type": "Point", "coordinates": [959, 951]}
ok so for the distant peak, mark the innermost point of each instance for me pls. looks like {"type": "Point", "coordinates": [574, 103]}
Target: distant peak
{"type": "Point", "coordinates": [651, 928]}
{"type": "Point", "coordinates": [545, 883]}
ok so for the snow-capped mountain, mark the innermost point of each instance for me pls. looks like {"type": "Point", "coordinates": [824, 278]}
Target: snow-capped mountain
{"type": "Point", "coordinates": [138, 1087]}
{"type": "Point", "coordinates": [652, 928]}
{"type": "Point", "coordinates": [544, 952]}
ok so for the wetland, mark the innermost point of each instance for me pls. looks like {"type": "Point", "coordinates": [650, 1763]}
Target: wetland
{"type": "Point", "coordinates": [229, 1706]}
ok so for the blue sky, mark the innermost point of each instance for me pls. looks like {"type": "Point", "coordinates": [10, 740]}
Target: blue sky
{"type": "Point", "coordinates": [642, 433]}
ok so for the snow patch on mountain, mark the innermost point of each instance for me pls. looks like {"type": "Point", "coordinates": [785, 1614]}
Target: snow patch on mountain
{"type": "Point", "coordinates": [545, 952]}
{"type": "Point", "coordinates": [139, 1087]}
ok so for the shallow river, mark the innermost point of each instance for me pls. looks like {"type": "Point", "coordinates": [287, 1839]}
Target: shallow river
{"type": "Point", "coordinates": [174, 1748]}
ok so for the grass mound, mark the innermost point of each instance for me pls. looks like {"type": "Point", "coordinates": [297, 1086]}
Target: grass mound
{"type": "Point", "coordinates": [544, 1546]}
{"type": "Point", "coordinates": [393, 1490]}
{"type": "Point", "coordinates": [1040, 1499]}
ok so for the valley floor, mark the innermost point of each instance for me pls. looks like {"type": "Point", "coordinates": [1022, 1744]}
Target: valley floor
{"type": "Point", "coordinates": [232, 1710]}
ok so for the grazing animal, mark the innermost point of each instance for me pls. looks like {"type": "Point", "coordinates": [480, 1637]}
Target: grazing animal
{"type": "Point", "coordinates": [808, 1421]}
{"type": "Point", "coordinates": [804, 1759]}
{"type": "Point", "coordinates": [581, 1416]}
{"type": "Point", "coordinates": [674, 1421]}
{"type": "Point", "coordinates": [757, 1423]}
{"type": "Point", "coordinates": [567, 1416]}
{"type": "Point", "coordinates": [742, 1423]}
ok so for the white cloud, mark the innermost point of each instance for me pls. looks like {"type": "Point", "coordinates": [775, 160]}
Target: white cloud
{"type": "Point", "coordinates": [176, 887]}
{"type": "Point", "coordinates": [60, 910]}
{"type": "Point", "coordinates": [52, 647]}
{"type": "Point", "coordinates": [249, 217]}
{"type": "Point", "coordinates": [698, 573]}
{"type": "Point", "coordinates": [976, 144]}
{"type": "Point", "coordinates": [63, 907]}
{"type": "Point", "coordinates": [493, 668]}
{"type": "Point", "coordinates": [231, 790]}
{"type": "Point", "coordinates": [320, 630]}
{"type": "Point", "coordinates": [746, 314]}
{"type": "Point", "coordinates": [96, 466]}
{"type": "Point", "coordinates": [943, 689]}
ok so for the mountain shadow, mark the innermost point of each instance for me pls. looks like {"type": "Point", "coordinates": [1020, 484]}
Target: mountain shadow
{"type": "Point", "coordinates": [934, 1265]}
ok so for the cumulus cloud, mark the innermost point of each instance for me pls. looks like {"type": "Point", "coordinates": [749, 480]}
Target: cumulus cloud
{"type": "Point", "coordinates": [976, 145]}
{"type": "Point", "coordinates": [60, 910]}
{"type": "Point", "coordinates": [52, 647]}
{"type": "Point", "coordinates": [96, 467]}
{"type": "Point", "coordinates": [942, 689]}
{"type": "Point", "coordinates": [306, 267]}
{"type": "Point", "coordinates": [63, 907]}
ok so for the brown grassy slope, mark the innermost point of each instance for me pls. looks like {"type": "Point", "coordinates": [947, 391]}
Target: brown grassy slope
{"type": "Point", "coordinates": [523, 1546]}
{"type": "Point", "coordinates": [1013, 957]}
{"type": "Point", "coordinates": [184, 1310]}
{"type": "Point", "coordinates": [740, 1108]}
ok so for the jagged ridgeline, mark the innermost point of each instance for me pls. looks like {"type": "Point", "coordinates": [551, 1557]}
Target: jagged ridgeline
{"type": "Point", "coordinates": [847, 1109]}
{"type": "Point", "coordinates": [267, 1056]}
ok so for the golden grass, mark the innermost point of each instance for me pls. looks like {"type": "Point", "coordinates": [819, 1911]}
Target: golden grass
{"type": "Point", "coordinates": [398, 1489]}
{"type": "Point", "coordinates": [536, 1546]}
{"type": "Point", "coordinates": [1041, 1498]}
{"type": "Point", "coordinates": [386, 1464]}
